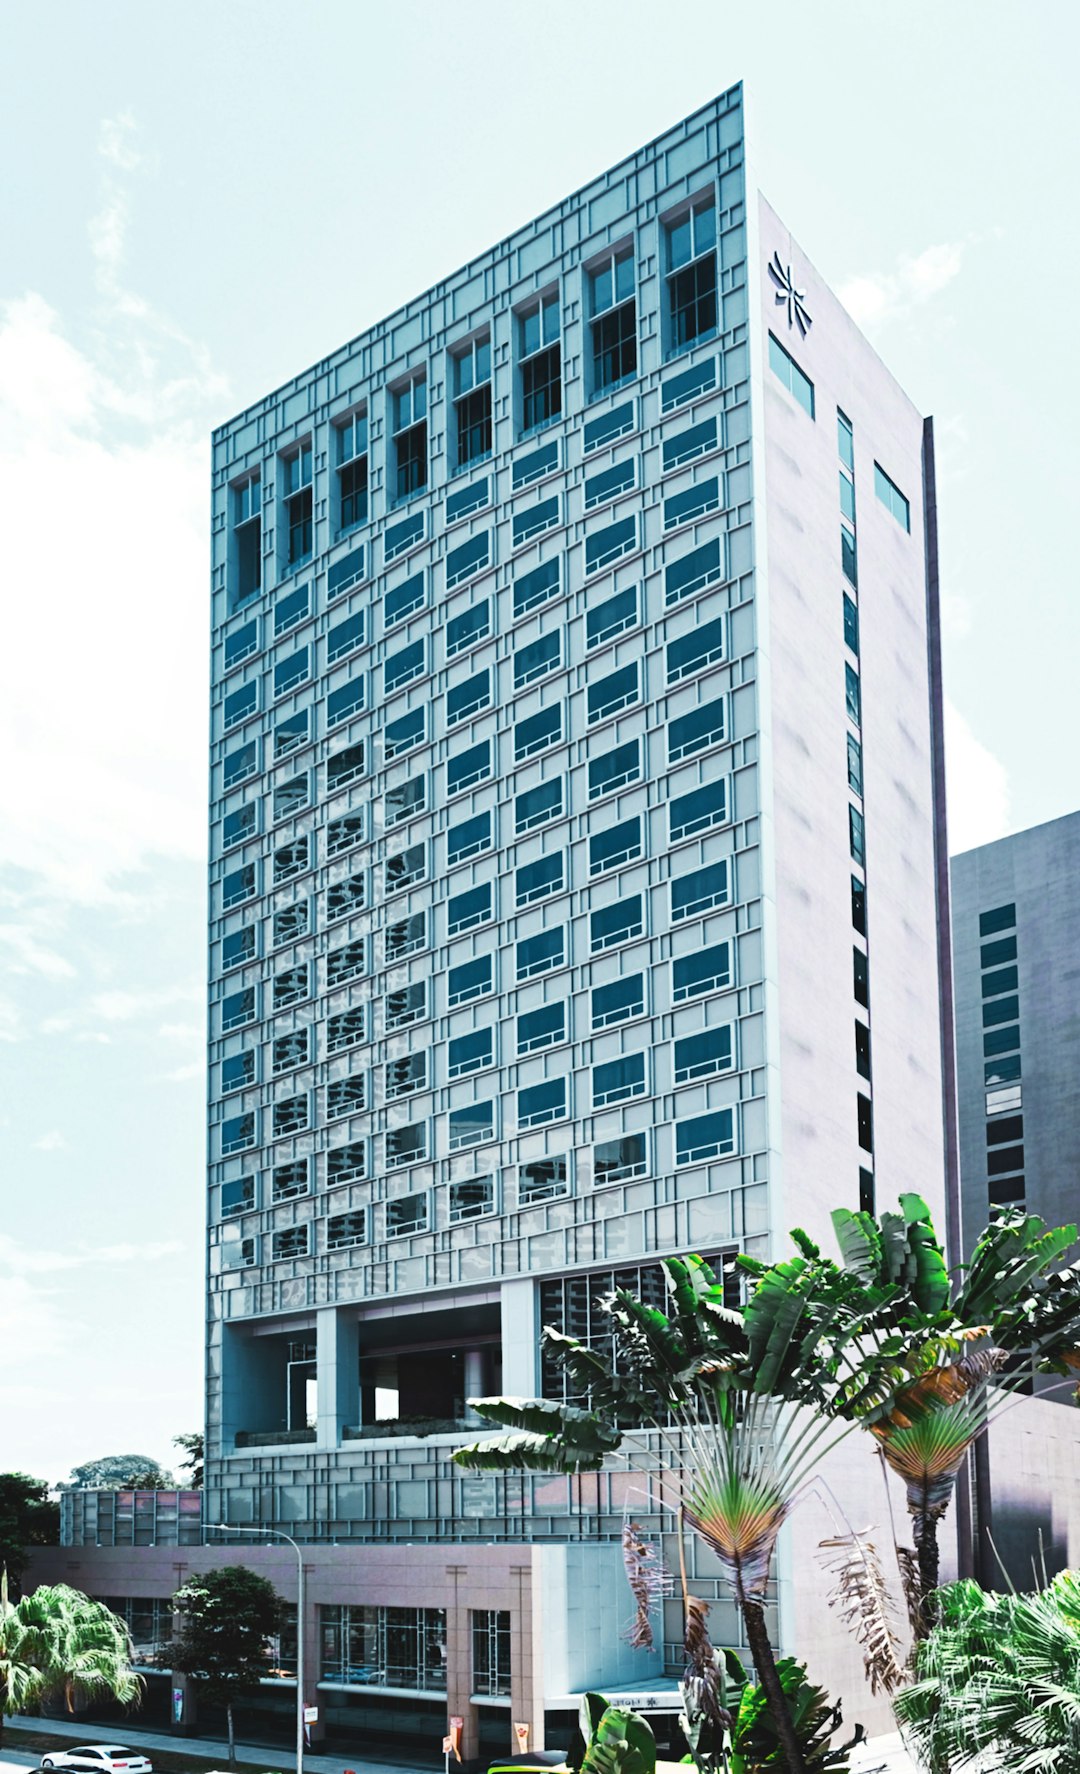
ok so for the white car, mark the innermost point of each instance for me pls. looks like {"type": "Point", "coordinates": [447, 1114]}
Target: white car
{"type": "Point", "coordinates": [107, 1758]}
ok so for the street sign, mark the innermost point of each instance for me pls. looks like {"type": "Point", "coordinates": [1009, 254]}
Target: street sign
{"type": "Point", "coordinates": [521, 1732]}
{"type": "Point", "coordinates": [311, 1713]}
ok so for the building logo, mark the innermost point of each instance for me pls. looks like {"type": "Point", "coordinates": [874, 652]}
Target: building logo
{"type": "Point", "coordinates": [788, 296]}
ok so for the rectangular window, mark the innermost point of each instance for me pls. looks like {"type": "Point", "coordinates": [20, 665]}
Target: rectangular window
{"type": "Point", "coordinates": [618, 1000]}
{"type": "Point", "coordinates": [610, 848]}
{"type": "Point", "coordinates": [705, 1054]}
{"type": "Point", "coordinates": [410, 595]}
{"type": "Point", "coordinates": [709, 970]}
{"type": "Point", "coordinates": [537, 805]}
{"type": "Point", "coordinates": [541, 1028]}
{"type": "Point", "coordinates": [238, 825]}
{"type": "Point", "coordinates": [405, 534]}
{"type": "Point", "coordinates": [290, 610]}
{"type": "Point", "coordinates": [291, 797]}
{"type": "Point", "coordinates": [410, 438]}
{"type": "Point", "coordinates": [857, 836]}
{"type": "Point", "coordinates": [471, 1053]}
{"type": "Point", "coordinates": [1001, 1040]}
{"type": "Point", "coordinates": [471, 1126]}
{"type": "Point", "coordinates": [345, 766]}
{"type": "Point", "coordinates": [604, 547]}
{"type": "Point", "coordinates": [1003, 917]}
{"type": "Point", "coordinates": [1001, 1010]}
{"type": "Point", "coordinates": [1002, 1071]}
{"type": "Point", "coordinates": [699, 891]}
{"type": "Point", "coordinates": [291, 922]}
{"type": "Point", "coordinates": [785, 368]}
{"type": "Point", "coordinates": [289, 1181]}
{"type": "Point", "coordinates": [854, 764]}
{"type": "Point", "coordinates": [407, 1006]}
{"type": "Point", "coordinates": [401, 668]}
{"type": "Point", "coordinates": [406, 1216]}
{"type": "Point", "coordinates": [704, 726]}
{"type": "Point", "coordinates": [618, 922]}
{"type": "Point", "coordinates": [686, 446]}
{"type": "Point", "coordinates": [406, 1076]}
{"type": "Point", "coordinates": [237, 1196]}
{"type": "Point", "coordinates": [537, 586]}
{"type": "Point", "coordinates": [465, 910]}
{"type": "Point", "coordinates": [291, 733]}
{"type": "Point", "coordinates": [609, 482]}
{"type": "Point", "coordinates": [474, 979]}
{"type": "Point", "coordinates": [346, 1096]}
{"type": "Point", "coordinates": [237, 1071]}
{"type": "Point", "coordinates": [241, 643]}
{"type": "Point", "coordinates": [849, 555]}
{"type": "Point", "coordinates": [405, 868]}
{"type": "Point", "coordinates": [692, 652]}
{"type": "Point", "coordinates": [291, 1241]}
{"type": "Point", "coordinates": [291, 1116]}
{"type": "Point", "coordinates": [675, 391]}
{"type": "Point", "coordinates": [240, 764]}
{"type": "Point", "coordinates": [540, 953]}
{"type": "Point", "coordinates": [698, 811]}
{"type": "Point", "coordinates": [240, 704]}
{"type": "Point", "coordinates": [405, 800]}
{"type": "Point", "coordinates": [851, 625]}
{"type": "Point", "coordinates": [861, 976]}
{"type": "Point", "coordinates": [852, 695]}
{"type": "Point", "coordinates": [607, 427]}
{"type": "Point", "coordinates": [705, 1137]}
{"type": "Point", "coordinates": [540, 364]}
{"type": "Point", "coordinates": [542, 1102]}
{"type": "Point", "coordinates": [346, 1164]}
{"type": "Point", "coordinates": [845, 440]}
{"type": "Point", "coordinates": [993, 954]}
{"type": "Point", "coordinates": [472, 402]}
{"type": "Point", "coordinates": [468, 767]}
{"type": "Point", "coordinates": [618, 1080]}
{"type": "Point", "coordinates": [691, 277]}
{"type": "Point", "coordinates": [892, 498]}
{"type": "Point", "coordinates": [538, 732]}
{"type": "Point", "coordinates": [237, 1133]}
{"type": "Point", "coordinates": [297, 470]}
{"type": "Point", "coordinates": [537, 658]}
{"type": "Point", "coordinates": [614, 769]}
{"type": "Point", "coordinates": [694, 571]}
{"type": "Point", "coordinates": [858, 905]}
{"type": "Point", "coordinates": [467, 500]}
{"type": "Point", "coordinates": [347, 962]}
{"type": "Point", "coordinates": [617, 691]}
{"type": "Point", "coordinates": [469, 1200]}
{"type": "Point", "coordinates": [347, 1029]}
{"type": "Point", "coordinates": [465, 630]}
{"type": "Point", "coordinates": [351, 441]}
{"type": "Point", "coordinates": [612, 617]}
{"type": "Point", "coordinates": [862, 1050]}
{"type": "Point", "coordinates": [290, 672]}
{"type": "Point", "coordinates": [237, 1009]}
{"type": "Point", "coordinates": [468, 697]}
{"type": "Point", "coordinates": [406, 937]}
{"type": "Point", "coordinates": [613, 326]}
{"type": "Point", "coordinates": [289, 861]}
{"type": "Point", "coordinates": [468, 838]}
{"type": "Point", "coordinates": [346, 571]}
{"type": "Point", "coordinates": [238, 947]}
{"type": "Point", "coordinates": [535, 465]}
{"type": "Point", "coordinates": [545, 1179]}
{"type": "Point", "coordinates": [344, 702]}
{"type": "Point", "coordinates": [528, 524]}
{"type": "Point", "coordinates": [618, 1160]}
{"type": "Point", "coordinates": [247, 538]}
{"type": "Point", "coordinates": [537, 880]}
{"type": "Point", "coordinates": [692, 503]}
{"type": "Point", "coordinates": [238, 886]}
{"type": "Point", "coordinates": [343, 1230]}
{"type": "Point", "coordinates": [865, 1122]}
{"type": "Point", "coordinates": [472, 557]}
{"type": "Point", "coordinates": [402, 735]}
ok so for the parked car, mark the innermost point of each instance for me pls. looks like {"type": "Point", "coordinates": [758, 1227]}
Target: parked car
{"type": "Point", "coordinates": [104, 1758]}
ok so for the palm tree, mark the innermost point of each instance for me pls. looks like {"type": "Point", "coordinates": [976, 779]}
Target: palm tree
{"type": "Point", "coordinates": [741, 1406]}
{"type": "Point", "coordinates": [941, 1350]}
{"type": "Point", "coordinates": [999, 1678]}
{"type": "Point", "coordinates": [58, 1641]}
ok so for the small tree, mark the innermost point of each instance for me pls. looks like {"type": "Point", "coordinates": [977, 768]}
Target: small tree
{"type": "Point", "coordinates": [57, 1641]}
{"type": "Point", "coordinates": [117, 1472]}
{"type": "Point", "coordinates": [28, 1517]}
{"type": "Point", "coordinates": [192, 1446]}
{"type": "Point", "coordinates": [228, 1617]}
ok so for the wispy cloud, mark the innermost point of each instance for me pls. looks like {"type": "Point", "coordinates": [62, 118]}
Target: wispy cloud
{"type": "Point", "coordinates": [977, 786]}
{"type": "Point", "coordinates": [24, 953]}
{"type": "Point", "coordinates": [875, 298]}
{"type": "Point", "coordinates": [25, 1261]}
{"type": "Point", "coordinates": [52, 1141]}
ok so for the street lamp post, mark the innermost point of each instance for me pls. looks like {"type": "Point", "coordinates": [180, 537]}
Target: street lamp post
{"type": "Point", "coordinates": [221, 1527]}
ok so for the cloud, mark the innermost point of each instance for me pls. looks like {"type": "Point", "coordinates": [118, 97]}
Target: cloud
{"type": "Point", "coordinates": [28, 955]}
{"type": "Point", "coordinates": [875, 298]}
{"type": "Point", "coordinates": [188, 1032]}
{"type": "Point", "coordinates": [51, 1142]}
{"type": "Point", "coordinates": [183, 1074]}
{"type": "Point", "coordinates": [24, 1261]}
{"type": "Point", "coordinates": [116, 141]}
{"type": "Point", "coordinates": [977, 787]}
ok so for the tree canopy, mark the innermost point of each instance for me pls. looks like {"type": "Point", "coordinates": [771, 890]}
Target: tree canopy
{"type": "Point", "coordinates": [28, 1517]}
{"type": "Point", "coordinates": [228, 1618]}
{"type": "Point", "coordinates": [117, 1472]}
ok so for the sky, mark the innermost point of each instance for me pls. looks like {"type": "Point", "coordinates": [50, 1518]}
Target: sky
{"type": "Point", "coordinates": [197, 202]}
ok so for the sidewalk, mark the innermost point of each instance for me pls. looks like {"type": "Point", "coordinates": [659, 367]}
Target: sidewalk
{"type": "Point", "coordinates": [279, 1758]}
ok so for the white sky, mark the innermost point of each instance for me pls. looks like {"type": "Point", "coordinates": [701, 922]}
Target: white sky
{"type": "Point", "coordinates": [198, 201]}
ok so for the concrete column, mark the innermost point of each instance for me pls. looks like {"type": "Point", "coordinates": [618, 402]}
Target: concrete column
{"type": "Point", "coordinates": [312, 1697]}
{"type": "Point", "coordinates": [476, 1383]}
{"type": "Point", "coordinates": [337, 1352]}
{"type": "Point", "coordinates": [520, 1338]}
{"type": "Point", "coordinates": [459, 1668]}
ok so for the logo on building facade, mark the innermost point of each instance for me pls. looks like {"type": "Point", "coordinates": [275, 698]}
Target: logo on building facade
{"type": "Point", "coordinates": [789, 296]}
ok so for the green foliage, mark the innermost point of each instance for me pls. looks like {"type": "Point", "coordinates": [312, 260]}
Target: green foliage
{"type": "Point", "coordinates": [998, 1681]}
{"type": "Point", "coordinates": [28, 1517]}
{"type": "Point", "coordinates": [615, 1740]}
{"type": "Point", "coordinates": [228, 1617]}
{"type": "Point", "coordinates": [58, 1641]}
{"type": "Point", "coordinates": [193, 1446]}
{"type": "Point", "coordinates": [117, 1472]}
{"type": "Point", "coordinates": [754, 1744]}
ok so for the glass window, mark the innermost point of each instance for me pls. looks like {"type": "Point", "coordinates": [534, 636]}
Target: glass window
{"type": "Point", "coordinates": [1001, 1040]}
{"type": "Point", "coordinates": [468, 697]}
{"type": "Point", "coordinates": [290, 860]}
{"type": "Point", "coordinates": [468, 838]}
{"type": "Point", "coordinates": [536, 880]}
{"type": "Point", "coordinates": [704, 1054]}
{"type": "Point", "coordinates": [858, 904]}
{"type": "Point", "coordinates": [238, 825]}
{"type": "Point", "coordinates": [891, 497]}
{"type": "Point", "coordinates": [410, 438]}
{"type": "Point", "coordinates": [238, 946]}
{"type": "Point", "coordinates": [238, 886]}
{"type": "Point", "coordinates": [851, 625]}
{"type": "Point", "coordinates": [401, 735]}
{"type": "Point", "coordinates": [1000, 1010]}
{"type": "Point", "coordinates": [468, 767]}
{"type": "Point", "coordinates": [472, 401]}
{"type": "Point", "coordinates": [237, 1133]}
{"type": "Point", "coordinates": [616, 1161]}
{"type": "Point", "coordinates": [346, 1229]}
{"type": "Point", "coordinates": [537, 586]}
{"type": "Point", "coordinates": [407, 1075]}
{"type": "Point", "coordinates": [620, 999]}
{"type": "Point", "coordinates": [537, 805]}
{"type": "Point", "coordinates": [537, 732]}
{"type": "Point", "coordinates": [291, 1241]}
{"type": "Point", "coordinates": [346, 962]}
{"type": "Point", "coordinates": [701, 809]}
{"type": "Point", "coordinates": [542, 1102]}
{"type": "Point", "coordinates": [610, 618]}
{"type": "Point", "coordinates": [694, 571]}
{"type": "Point", "coordinates": [469, 627]}
{"type": "Point", "coordinates": [465, 910]}
{"type": "Point", "coordinates": [617, 922]}
{"type": "Point", "coordinates": [343, 767]}
{"type": "Point", "coordinates": [861, 976]}
{"type": "Point", "coordinates": [241, 643]}
{"type": "Point", "coordinates": [692, 652]}
{"type": "Point", "coordinates": [346, 1029]}
{"type": "Point", "coordinates": [544, 1179]}
{"type": "Point", "coordinates": [348, 699]}
{"type": "Point", "coordinates": [540, 953]}
{"type": "Point", "coordinates": [693, 502]}
{"type": "Point", "coordinates": [618, 1080]}
{"type": "Point", "coordinates": [471, 1198]}
{"type": "Point", "coordinates": [852, 695]}
{"type": "Point", "coordinates": [700, 890]}
{"type": "Point", "coordinates": [685, 446]}
{"type": "Point", "coordinates": [709, 970]}
{"type": "Point", "coordinates": [404, 599]}
{"type": "Point", "coordinates": [539, 354]}
{"type": "Point", "coordinates": [849, 559]}
{"type": "Point", "coordinates": [401, 668]}
{"type": "Point", "coordinates": [470, 1053]}
{"type": "Point", "coordinates": [704, 726]}
{"type": "Point", "coordinates": [405, 800]}
{"type": "Point", "coordinates": [1003, 917]}
{"type": "Point", "coordinates": [291, 922]}
{"type": "Point", "coordinates": [604, 547]}
{"type": "Point", "coordinates": [472, 1125]}
{"type": "Point", "coordinates": [291, 671]}
{"type": "Point", "coordinates": [237, 1196]}
{"type": "Point", "coordinates": [691, 277]}
{"type": "Point", "coordinates": [862, 1049]}
{"type": "Point", "coordinates": [993, 954]}
{"type": "Point", "coordinates": [857, 836]}
{"type": "Point", "coordinates": [237, 1070]}
{"type": "Point", "coordinates": [406, 1006]}
{"type": "Point", "coordinates": [292, 796]}
{"type": "Point", "coordinates": [471, 980]}
{"type": "Point", "coordinates": [408, 1214]}
{"type": "Point", "coordinates": [240, 704]}
{"type": "Point", "coordinates": [471, 557]}
{"type": "Point", "coordinates": [613, 325]}
{"type": "Point", "coordinates": [614, 769]}
{"type": "Point", "coordinates": [293, 1115]}
{"type": "Point", "coordinates": [547, 515]}
{"type": "Point", "coordinates": [612, 693]}
{"type": "Point", "coordinates": [541, 1028]}
{"type": "Point", "coordinates": [705, 1137]}
{"type": "Point", "coordinates": [785, 368]}
{"type": "Point", "coordinates": [405, 868]}
{"type": "Point", "coordinates": [609, 426]}
{"type": "Point", "coordinates": [610, 848]}
{"type": "Point", "coordinates": [406, 936]}
{"type": "Point", "coordinates": [845, 439]}
{"type": "Point", "coordinates": [289, 1181]}
{"type": "Point", "coordinates": [240, 764]}
{"type": "Point", "coordinates": [609, 482]}
{"type": "Point", "coordinates": [238, 1008]}
{"type": "Point", "coordinates": [537, 658]}
{"type": "Point", "coordinates": [406, 1145]}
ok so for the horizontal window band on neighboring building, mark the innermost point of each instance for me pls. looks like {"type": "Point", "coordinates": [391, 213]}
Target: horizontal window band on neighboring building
{"type": "Point", "coordinates": [619, 422]}
{"type": "Point", "coordinates": [892, 498]}
{"type": "Point", "coordinates": [1003, 917]}
{"type": "Point", "coordinates": [787, 371]}
{"type": "Point", "coordinates": [675, 391]}
{"type": "Point", "coordinates": [694, 571]}
{"type": "Point", "coordinates": [472, 557]}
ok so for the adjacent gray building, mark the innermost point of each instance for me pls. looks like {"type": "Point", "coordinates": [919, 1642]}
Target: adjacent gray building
{"type": "Point", "coordinates": [577, 847]}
